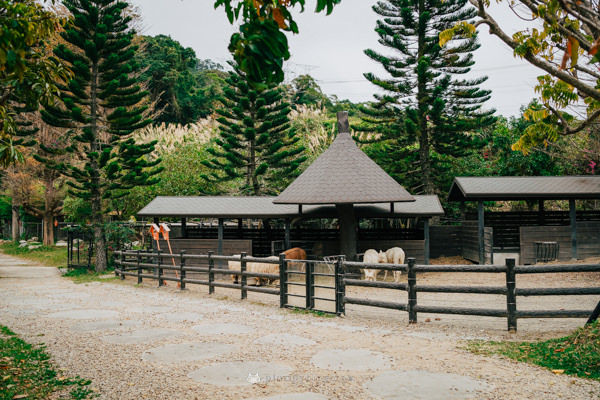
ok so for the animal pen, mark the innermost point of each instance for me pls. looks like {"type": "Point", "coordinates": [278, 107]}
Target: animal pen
{"type": "Point", "coordinates": [569, 234]}
{"type": "Point", "coordinates": [307, 289]}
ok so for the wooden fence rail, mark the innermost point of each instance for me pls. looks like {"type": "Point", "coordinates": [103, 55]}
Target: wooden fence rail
{"type": "Point", "coordinates": [133, 263]}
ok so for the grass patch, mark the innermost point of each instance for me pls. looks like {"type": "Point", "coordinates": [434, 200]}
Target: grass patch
{"type": "Point", "coordinates": [46, 255]}
{"type": "Point", "coordinates": [27, 373]}
{"type": "Point", "coordinates": [80, 275]}
{"type": "Point", "coordinates": [577, 354]}
{"type": "Point", "coordinates": [316, 313]}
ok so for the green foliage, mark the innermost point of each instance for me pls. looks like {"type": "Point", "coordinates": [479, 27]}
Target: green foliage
{"type": "Point", "coordinates": [255, 143]}
{"type": "Point", "coordinates": [5, 208]}
{"type": "Point", "coordinates": [306, 91]}
{"type": "Point", "coordinates": [555, 28]}
{"type": "Point", "coordinates": [45, 255]}
{"type": "Point", "coordinates": [82, 275]}
{"type": "Point", "coordinates": [183, 87]}
{"type": "Point", "coordinates": [260, 47]}
{"type": "Point", "coordinates": [577, 354]}
{"type": "Point", "coordinates": [181, 176]}
{"type": "Point", "coordinates": [102, 105]}
{"type": "Point", "coordinates": [27, 75]}
{"type": "Point", "coordinates": [426, 114]}
{"type": "Point", "coordinates": [27, 372]}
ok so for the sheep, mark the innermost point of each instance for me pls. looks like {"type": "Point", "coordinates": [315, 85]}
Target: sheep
{"type": "Point", "coordinates": [259, 267]}
{"type": "Point", "coordinates": [371, 256]}
{"type": "Point", "coordinates": [395, 255]}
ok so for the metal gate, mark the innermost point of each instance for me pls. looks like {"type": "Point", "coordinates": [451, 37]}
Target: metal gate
{"type": "Point", "coordinates": [313, 285]}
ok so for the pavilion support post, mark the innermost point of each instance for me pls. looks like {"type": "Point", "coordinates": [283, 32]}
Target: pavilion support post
{"type": "Point", "coordinates": [156, 220]}
{"type": "Point", "coordinates": [347, 220]}
{"type": "Point", "coordinates": [480, 232]}
{"type": "Point", "coordinates": [184, 228]}
{"type": "Point", "coordinates": [573, 218]}
{"type": "Point", "coordinates": [426, 237]}
{"type": "Point", "coordinates": [541, 212]}
{"type": "Point", "coordinates": [220, 240]}
{"type": "Point", "coordinates": [287, 241]}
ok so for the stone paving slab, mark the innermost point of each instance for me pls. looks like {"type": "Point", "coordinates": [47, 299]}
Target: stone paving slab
{"type": "Point", "coordinates": [425, 385]}
{"type": "Point", "coordinates": [240, 373]}
{"type": "Point", "coordinates": [104, 325]}
{"type": "Point", "coordinates": [141, 336]}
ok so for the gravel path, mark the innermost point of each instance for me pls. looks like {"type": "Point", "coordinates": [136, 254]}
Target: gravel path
{"type": "Point", "coordinates": [140, 342]}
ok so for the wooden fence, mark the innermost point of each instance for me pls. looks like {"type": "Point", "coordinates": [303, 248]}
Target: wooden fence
{"type": "Point", "coordinates": [133, 263]}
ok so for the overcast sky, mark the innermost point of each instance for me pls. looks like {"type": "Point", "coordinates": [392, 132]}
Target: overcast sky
{"type": "Point", "coordinates": [330, 48]}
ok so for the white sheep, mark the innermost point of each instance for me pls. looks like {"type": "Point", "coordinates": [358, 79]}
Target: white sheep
{"type": "Point", "coordinates": [259, 267]}
{"type": "Point", "coordinates": [395, 255]}
{"type": "Point", "coordinates": [371, 256]}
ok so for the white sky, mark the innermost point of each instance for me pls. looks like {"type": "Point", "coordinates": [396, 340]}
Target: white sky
{"type": "Point", "coordinates": [330, 48]}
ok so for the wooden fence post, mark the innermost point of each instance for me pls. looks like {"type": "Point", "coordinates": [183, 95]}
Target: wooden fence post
{"type": "Point", "coordinates": [159, 270]}
{"type": "Point", "coordinates": [211, 274]}
{"type": "Point", "coordinates": [243, 277]}
{"type": "Point", "coordinates": [340, 289]}
{"type": "Point", "coordinates": [283, 298]}
{"type": "Point", "coordinates": [412, 291]}
{"type": "Point", "coordinates": [595, 314]}
{"type": "Point", "coordinates": [121, 267]}
{"type": "Point", "coordinates": [139, 269]}
{"type": "Point", "coordinates": [309, 282]}
{"type": "Point", "coordinates": [182, 270]}
{"type": "Point", "coordinates": [511, 298]}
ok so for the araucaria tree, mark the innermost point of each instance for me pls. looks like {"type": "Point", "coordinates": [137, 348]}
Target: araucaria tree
{"type": "Point", "coordinates": [425, 112]}
{"type": "Point", "coordinates": [255, 143]}
{"type": "Point", "coordinates": [101, 105]}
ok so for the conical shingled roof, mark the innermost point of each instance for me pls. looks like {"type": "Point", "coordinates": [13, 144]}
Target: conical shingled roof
{"type": "Point", "coordinates": [343, 174]}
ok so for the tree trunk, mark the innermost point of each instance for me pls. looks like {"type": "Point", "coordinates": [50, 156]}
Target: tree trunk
{"type": "Point", "coordinates": [48, 225]}
{"type": "Point", "coordinates": [96, 195]}
{"type": "Point", "coordinates": [15, 223]}
{"type": "Point", "coordinates": [422, 100]}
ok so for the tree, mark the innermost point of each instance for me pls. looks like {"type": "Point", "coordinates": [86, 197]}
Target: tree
{"type": "Point", "coordinates": [426, 113]}
{"type": "Point", "coordinates": [260, 47]}
{"type": "Point", "coordinates": [27, 74]}
{"type": "Point", "coordinates": [183, 87]}
{"type": "Point", "coordinates": [567, 27]}
{"type": "Point", "coordinates": [306, 91]}
{"type": "Point", "coordinates": [101, 105]}
{"type": "Point", "coordinates": [255, 143]}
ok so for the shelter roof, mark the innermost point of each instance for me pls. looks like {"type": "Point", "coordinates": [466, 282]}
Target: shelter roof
{"type": "Point", "coordinates": [263, 207]}
{"type": "Point", "coordinates": [343, 174]}
{"type": "Point", "coordinates": [525, 188]}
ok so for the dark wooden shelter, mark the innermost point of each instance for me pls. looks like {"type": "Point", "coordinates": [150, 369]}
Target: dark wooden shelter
{"type": "Point", "coordinates": [343, 175]}
{"type": "Point", "coordinates": [234, 239]}
{"type": "Point", "coordinates": [578, 236]}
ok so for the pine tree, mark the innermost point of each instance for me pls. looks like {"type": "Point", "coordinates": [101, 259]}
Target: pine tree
{"type": "Point", "coordinates": [101, 105]}
{"type": "Point", "coordinates": [255, 143]}
{"type": "Point", "coordinates": [426, 113]}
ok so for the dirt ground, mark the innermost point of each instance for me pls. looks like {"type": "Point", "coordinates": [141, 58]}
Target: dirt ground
{"type": "Point", "coordinates": [115, 334]}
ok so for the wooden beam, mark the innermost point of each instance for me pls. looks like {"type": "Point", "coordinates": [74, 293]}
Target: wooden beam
{"type": "Point", "coordinates": [573, 218]}
{"type": "Point", "coordinates": [347, 220]}
{"type": "Point", "coordinates": [480, 232]}
{"type": "Point", "coordinates": [288, 225]}
{"type": "Point", "coordinates": [220, 237]}
{"type": "Point", "coordinates": [426, 234]}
